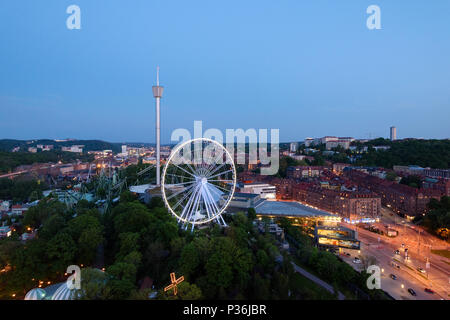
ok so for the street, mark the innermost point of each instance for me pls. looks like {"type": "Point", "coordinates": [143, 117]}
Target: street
{"type": "Point", "coordinates": [436, 274]}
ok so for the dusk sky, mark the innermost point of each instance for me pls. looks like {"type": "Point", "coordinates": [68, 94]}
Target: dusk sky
{"type": "Point", "coordinates": [309, 68]}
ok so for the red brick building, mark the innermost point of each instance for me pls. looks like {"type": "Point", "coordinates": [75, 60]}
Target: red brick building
{"type": "Point", "coordinates": [402, 199]}
{"type": "Point", "coordinates": [350, 205]}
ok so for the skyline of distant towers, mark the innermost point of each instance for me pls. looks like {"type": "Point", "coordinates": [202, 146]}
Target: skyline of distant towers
{"type": "Point", "coordinates": [393, 133]}
{"type": "Point", "coordinates": [157, 94]}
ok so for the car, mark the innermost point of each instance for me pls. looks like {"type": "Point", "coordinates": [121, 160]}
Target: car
{"type": "Point", "coordinates": [421, 270]}
{"type": "Point", "coordinates": [347, 254]}
{"type": "Point", "coordinates": [428, 290]}
{"type": "Point", "coordinates": [356, 260]}
{"type": "Point", "coordinates": [397, 252]}
{"type": "Point", "coordinates": [393, 276]}
{"type": "Point", "coordinates": [398, 266]}
{"type": "Point", "coordinates": [403, 245]}
{"type": "Point", "coordinates": [412, 292]}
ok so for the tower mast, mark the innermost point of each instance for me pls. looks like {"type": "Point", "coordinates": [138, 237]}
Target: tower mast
{"type": "Point", "coordinates": [157, 93]}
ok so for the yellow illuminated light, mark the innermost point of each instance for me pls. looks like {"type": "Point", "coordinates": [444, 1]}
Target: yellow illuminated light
{"type": "Point", "coordinates": [174, 284]}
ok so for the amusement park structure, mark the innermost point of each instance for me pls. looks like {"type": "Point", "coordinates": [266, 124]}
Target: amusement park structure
{"type": "Point", "coordinates": [197, 182]}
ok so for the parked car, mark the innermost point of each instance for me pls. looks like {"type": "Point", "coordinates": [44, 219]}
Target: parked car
{"type": "Point", "coordinates": [357, 261]}
{"type": "Point", "coordinates": [412, 292]}
{"type": "Point", "coordinates": [421, 270]}
{"type": "Point", "coordinates": [397, 252]}
{"type": "Point", "coordinates": [393, 276]}
{"type": "Point", "coordinates": [428, 290]}
{"type": "Point", "coordinates": [403, 245]}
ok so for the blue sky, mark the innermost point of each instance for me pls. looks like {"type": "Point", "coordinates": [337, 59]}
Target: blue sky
{"type": "Point", "coordinates": [309, 68]}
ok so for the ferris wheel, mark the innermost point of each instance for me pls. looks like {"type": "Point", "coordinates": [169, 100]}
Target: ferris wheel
{"type": "Point", "coordinates": [198, 182]}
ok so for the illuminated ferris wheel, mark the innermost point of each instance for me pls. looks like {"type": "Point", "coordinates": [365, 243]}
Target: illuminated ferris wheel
{"type": "Point", "coordinates": [198, 182]}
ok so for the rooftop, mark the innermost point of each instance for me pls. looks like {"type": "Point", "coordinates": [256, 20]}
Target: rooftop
{"type": "Point", "coordinates": [288, 208]}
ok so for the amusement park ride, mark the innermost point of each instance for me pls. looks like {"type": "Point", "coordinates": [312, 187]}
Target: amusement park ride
{"type": "Point", "coordinates": [198, 179]}
{"type": "Point", "coordinates": [197, 182]}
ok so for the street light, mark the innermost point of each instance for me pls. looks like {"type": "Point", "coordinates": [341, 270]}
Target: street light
{"type": "Point", "coordinates": [403, 286]}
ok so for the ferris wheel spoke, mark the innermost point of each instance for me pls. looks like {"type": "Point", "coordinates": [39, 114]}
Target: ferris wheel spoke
{"type": "Point", "coordinates": [182, 177]}
{"type": "Point", "coordinates": [219, 174]}
{"type": "Point", "coordinates": [211, 202]}
{"type": "Point", "coordinates": [217, 192]}
{"type": "Point", "coordinates": [178, 192]}
{"type": "Point", "coordinates": [182, 199]}
{"type": "Point", "coordinates": [218, 168]}
{"type": "Point", "coordinates": [195, 205]}
{"type": "Point", "coordinates": [208, 167]}
{"type": "Point", "coordinates": [190, 167]}
{"type": "Point", "coordinates": [209, 209]}
{"type": "Point", "coordinates": [189, 173]}
{"type": "Point", "coordinates": [220, 180]}
{"type": "Point", "coordinates": [186, 210]}
{"type": "Point", "coordinates": [180, 183]}
{"type": "Point", "coordinates": [226, 190]}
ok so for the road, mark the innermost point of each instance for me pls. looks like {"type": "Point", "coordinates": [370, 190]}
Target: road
{"type": "Point", "coordinates": [383, 248]}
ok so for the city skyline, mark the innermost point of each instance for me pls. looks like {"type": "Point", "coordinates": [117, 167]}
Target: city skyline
{"type": "Point", "coordinates": [265, 65]}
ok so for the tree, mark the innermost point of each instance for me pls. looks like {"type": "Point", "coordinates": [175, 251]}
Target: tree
{"type": "Point", "coordinates": [437, 220]}
{"type": "Point", "coordinates": [52, 226]}
{"type": "Point", "coordinates": [391, 176]}
{"type": "Point", "coordinates": [412, 181]}
{"type": "Point", "coordinates": [186, 291]}
{"type": "Point", "coordinates": [129, 241]}
{"type": "Point", "coordinates": [87, 232]}
{"type": "Point", "coordinates": [251, 214]}
{"type": "Point", "coordinates": [61, 251]}
{"type": "Point", "coordinates": [189, 260]}
{"type": "Point", "coordinates": [131, 217]}
{"type": "Point", "coordinates": [94, 285]}
{"type": "Point", "coordinates": [260, 288]}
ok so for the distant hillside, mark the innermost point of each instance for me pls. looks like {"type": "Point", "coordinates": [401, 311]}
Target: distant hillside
{"type": "Point", "coordinates": [10, 160]}
{"type": "Point", "coordinates": [424, 153]}
{"type": "Point", "coordinates": [89, 145]}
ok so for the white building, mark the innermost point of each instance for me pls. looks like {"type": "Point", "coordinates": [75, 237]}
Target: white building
{"type": "Point", "coordinates": [336, 143]}
{"type": "Point", "coordinates": [74, 148]}
{"type": "Point", "coordinates": [18, 209]}
{"type": "Point", "coordinates": [5, 232]}
{"type": "Point", "coordinates": [266, 191]}
{"type": "Point", "coordinates": [308, 142]}
{"type": "Point", "coordinates": [293, 147]}
{"type": "Point", "coordinates": [4, 206]}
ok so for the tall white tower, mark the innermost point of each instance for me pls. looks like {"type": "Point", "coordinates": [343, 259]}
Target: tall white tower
{"type": "Point", "coordinates": [393, 133]}
{"type": "Point", "coordinates": [157, 93]}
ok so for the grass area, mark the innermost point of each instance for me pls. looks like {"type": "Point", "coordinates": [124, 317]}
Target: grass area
{"type": "Point", "coordinates": [405, 265]}
{"type": "Point", "coordinates": [442, 253]}
{"type": "Point", "coordinates": [348, 294]}
{"type": "Point", "coordinates": [310, 290]}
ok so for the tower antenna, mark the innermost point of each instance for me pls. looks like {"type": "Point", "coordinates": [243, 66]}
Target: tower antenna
{"type": "Point", "coordinates": [157, 76]}
{"type": "Point", "coordinates": [157, 94]}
